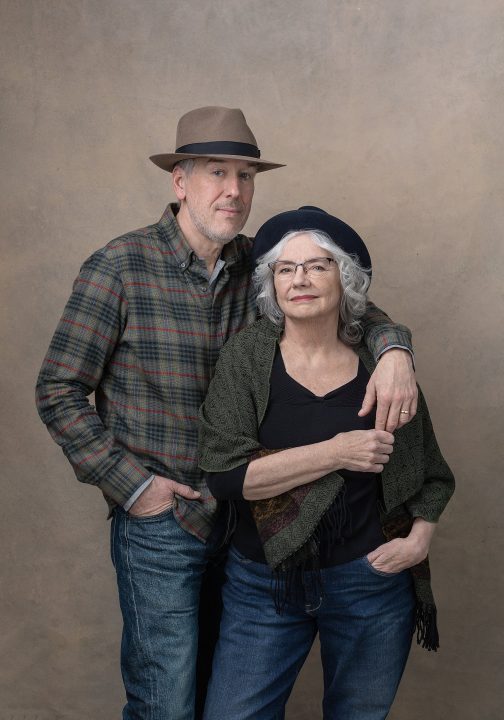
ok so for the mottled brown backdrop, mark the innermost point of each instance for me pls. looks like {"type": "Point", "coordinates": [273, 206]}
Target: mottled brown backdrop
{"type": "Point", "coordinates": [388, 113]}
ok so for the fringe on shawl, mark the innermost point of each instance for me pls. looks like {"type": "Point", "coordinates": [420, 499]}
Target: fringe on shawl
{"type": "Point", "coordinates": [288, 580]}
{"type": "Point", "coordinates": [426, 629]}
{"type": "Point", "coordinates": [427, 635]}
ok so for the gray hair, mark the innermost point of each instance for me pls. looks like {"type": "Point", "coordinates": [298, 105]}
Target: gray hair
{"type": "Point", "coordinates": [186, 165]}
{"type": "Point", "coordinates": [353, 278]}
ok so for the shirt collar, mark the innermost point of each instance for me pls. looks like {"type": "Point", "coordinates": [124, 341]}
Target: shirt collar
{"type": "Point", "coordinates": [216, 271]}
{"type": "Point", "coordinates": [182, 251]}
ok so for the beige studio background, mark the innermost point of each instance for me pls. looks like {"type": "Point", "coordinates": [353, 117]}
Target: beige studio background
{"type": "Point", "coordinates": [388, 113]}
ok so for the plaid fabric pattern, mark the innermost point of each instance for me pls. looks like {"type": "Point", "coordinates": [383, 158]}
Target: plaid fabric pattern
{"type": "Point", "coordinates": [143, 330]}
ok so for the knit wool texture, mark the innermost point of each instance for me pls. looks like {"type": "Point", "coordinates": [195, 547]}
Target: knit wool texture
{"type": "Point", "coordinates": [416, 482]}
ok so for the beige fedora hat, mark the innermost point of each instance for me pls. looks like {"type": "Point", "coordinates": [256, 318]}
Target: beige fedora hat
{"type": "Point", "coordinates": [217, 132]}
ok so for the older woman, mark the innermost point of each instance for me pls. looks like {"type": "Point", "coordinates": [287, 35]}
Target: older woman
{"type": "Point", "coordinates": [334, 518]}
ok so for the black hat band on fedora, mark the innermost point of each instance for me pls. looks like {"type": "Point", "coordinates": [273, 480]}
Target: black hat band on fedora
{"type": "Point", "coordinates": [220, 147]}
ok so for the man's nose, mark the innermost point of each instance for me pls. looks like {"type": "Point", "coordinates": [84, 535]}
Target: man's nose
{"type": "Point", "coordinates": [232, 187]}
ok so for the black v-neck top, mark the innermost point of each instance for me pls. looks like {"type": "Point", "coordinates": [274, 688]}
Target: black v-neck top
{"type": "Point", "coordinates": [295, 417]}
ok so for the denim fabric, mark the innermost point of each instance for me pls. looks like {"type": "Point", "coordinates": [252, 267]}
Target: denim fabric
{"type": "Point", "coordinates": [365, 622]}
{"type": "Point", "coordinates": [161, 572]}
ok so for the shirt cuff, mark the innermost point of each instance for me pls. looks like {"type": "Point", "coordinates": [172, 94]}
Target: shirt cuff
{"type": "Point", "coordinates": [227, 485]}
{"type": "Point", "coordinates": [137, 493]}
{"type": "Point", "coordinates": [398, 347]}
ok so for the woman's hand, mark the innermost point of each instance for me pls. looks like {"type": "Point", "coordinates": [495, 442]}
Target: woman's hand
{"type": "Point", "coordinates": [362, 450]}
{"type": "Point", "coordinates": [402, 553]}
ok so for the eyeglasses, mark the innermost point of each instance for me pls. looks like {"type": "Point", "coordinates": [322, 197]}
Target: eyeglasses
{"type": "Point", "coordinates": [313, 268]}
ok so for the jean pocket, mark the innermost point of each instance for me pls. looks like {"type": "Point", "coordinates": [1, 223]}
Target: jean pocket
{"type": "Point", "coordinates": [381, 573]}
{"type": "Point", "coordinates": [237, 555]}
{"type": "Point", "coordinates": [151, 518]}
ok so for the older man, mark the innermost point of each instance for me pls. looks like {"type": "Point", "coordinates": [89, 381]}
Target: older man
{"type": "Point", "coordinates": [143, 327]}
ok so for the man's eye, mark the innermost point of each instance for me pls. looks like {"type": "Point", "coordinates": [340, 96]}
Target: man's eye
{"type": "Point", "coordinates": [246, 176]}
{"type": "Point", "coordinates": [218, 173]}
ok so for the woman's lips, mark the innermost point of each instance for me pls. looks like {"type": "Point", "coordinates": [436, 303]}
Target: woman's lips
{"type": "Point", "coordinates": [301, 298]}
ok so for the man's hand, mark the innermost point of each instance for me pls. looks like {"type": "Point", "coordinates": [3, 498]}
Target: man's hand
{"type": "Point", "coordinates": [158, 497]}
{"type": "Point", "coordinates": [393, 389]}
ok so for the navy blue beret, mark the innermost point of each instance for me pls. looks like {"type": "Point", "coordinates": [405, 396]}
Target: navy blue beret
{"type": "Point", "coordinates": [310, 218]}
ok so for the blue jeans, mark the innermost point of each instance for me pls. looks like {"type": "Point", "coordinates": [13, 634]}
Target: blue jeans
{"type": "Point", "coordinates": [365, 623]}
{"type": "Point", "coordinates": [162, 571]}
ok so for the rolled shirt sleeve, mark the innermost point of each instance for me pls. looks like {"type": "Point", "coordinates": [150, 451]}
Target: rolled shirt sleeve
{"type": "Point", "coordinates": [382, 334]}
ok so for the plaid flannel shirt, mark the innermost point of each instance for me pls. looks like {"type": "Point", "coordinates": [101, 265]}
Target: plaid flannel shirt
{"type": "Point", "coordinates": [143, 330]}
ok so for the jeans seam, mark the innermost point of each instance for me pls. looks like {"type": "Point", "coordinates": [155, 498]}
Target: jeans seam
{"type": "Point", "coordinates": [309, 609]}
{"type": "Point", "coordinates": [141, 643]}
{"type": "Point", "coordinates": [112, 539]}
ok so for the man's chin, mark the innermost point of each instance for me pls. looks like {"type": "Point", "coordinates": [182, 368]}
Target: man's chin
{"type": "Point", "coordinates": [225, 234]}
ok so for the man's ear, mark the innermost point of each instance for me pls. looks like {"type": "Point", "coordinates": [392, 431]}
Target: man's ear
{"type": "Point", "coordinates": [179, 179]}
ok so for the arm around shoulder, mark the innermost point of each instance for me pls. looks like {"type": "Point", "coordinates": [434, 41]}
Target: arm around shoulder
{"type": "Point", "coordinates": [381, 333]}
{"type": "Point", "coordinates": [392, 386]}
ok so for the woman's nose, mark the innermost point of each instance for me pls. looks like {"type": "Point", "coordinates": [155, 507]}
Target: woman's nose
{"type": "Point", "coordinates": [300, 276]}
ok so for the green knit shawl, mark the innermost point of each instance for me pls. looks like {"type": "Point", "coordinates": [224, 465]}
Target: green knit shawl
{"type": "Point", "coordinates": [416, 482]}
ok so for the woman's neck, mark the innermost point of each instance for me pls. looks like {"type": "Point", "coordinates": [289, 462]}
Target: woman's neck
{"type": "Point", "coordinates": [312, 336]}
{"type": "Point", "coordinates": [315, 357]}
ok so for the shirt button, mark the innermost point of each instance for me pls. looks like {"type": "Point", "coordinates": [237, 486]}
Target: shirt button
{"type": "Point", "coordinates": [204, 288]}
{"type": "Point", "coordinates": [182, 265]}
